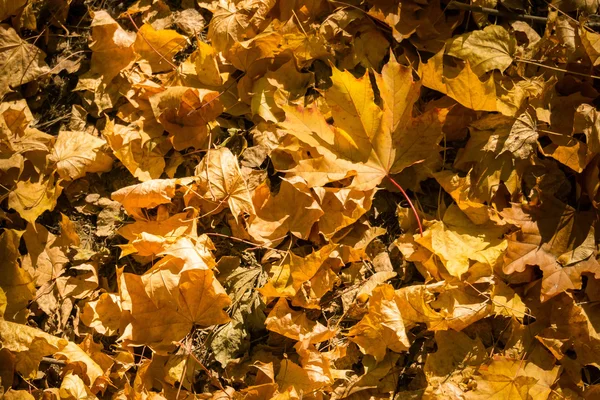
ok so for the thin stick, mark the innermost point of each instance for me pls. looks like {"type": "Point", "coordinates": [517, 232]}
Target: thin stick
{"type": "Point", "coordinates": [556, 68]}
{"type": "Point", "coordinates": [455, 5]}
{"type": "Point", "coordinates": [414, 210]}
{"type": "Point", "coordinates": [49, 360]}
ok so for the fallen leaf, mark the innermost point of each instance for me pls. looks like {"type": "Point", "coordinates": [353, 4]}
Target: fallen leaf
{"type": "Point", "coordinates": [20, 62]}
{"type": "Point", "coordinates": [220, 180]}
{"type": "Point", "coordinates": [159, 318]}
{"type": "Point", "coordinates": [157, 47]}
{"type": "Point", "coordinates": [382, 327]}
{"type": "Point", "coordinates": [291, 210]}
{"type": "Point", "coordinates": [484, 50]}
{"type": "Point", "coordinates": [76, 153]}
{"type": "Point", "coordinates": [112, 47]}
{"type": "Point", "coordinates": [17, 285]}
{"type": "Point", "coordinates": [28, 345]}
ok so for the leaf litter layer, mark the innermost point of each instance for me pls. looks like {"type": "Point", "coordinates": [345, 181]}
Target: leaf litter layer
{"type": "Point", "coordinates": [265, 199]}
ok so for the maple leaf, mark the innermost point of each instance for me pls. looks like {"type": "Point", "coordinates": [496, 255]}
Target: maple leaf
{"type": "Point", "coordinates": [145, 160]}
{"type": "Point", "coordinates": [94, 375]}
{"type": "Point", "coordinates": [185, 113]}
{"type": "Point", "coordinates": [112, 47]}
{"type": "Point", "coordinates": [28, 345]}
{"type": "Point", "coordinates": [229, 26]}
{"type": "Point", "coordinates": [8, 8]}
{"type": "Point", "coordinates": [30, 198]}
{"type": "Point", "coordinates": [369, 142]}
{"type": "Point", "coordinates": [464, 85]}
{"type": "Point", "coordinates": [490, 48]}
{"type": "Point", "coordinates": [46, 257]}
{"type": "Point", "coordinates": [555, 238]}
{"type": "Point", "coordinates": [509, 379]}
{"type": "Point", "coordinates": [291, 210]}
{"type": "Point", "coordinates": [220, 180]}
{"type": "Point", "coordinates": [16, 283]}
{"type": "Point", "coordinates": [205, 63]}
{"type": "Point", "coordinates": [456, 240]}
{"type": "Point", "coordinates": [76, 153]}
{"type": "Point", "coordinates": [171, 229]}
{"type": "Point", "coordinates": [457, 356]}
{"type": "Point", "coordinates": [162, 314]}
{"type": "Point", "coordinates": [295, 324]}
{"type": "Point", "coordinates": [382, 327]}
{"type": "Point", "coordinates": [289, 275]}
{"type": "Point", "coordinates": [20, 62]}
{"type": "Point", "coordinates": [148, 194]}
{"type": "Point", "coordinates": [103, 315]}
{"type": "Point", "coordinates": [157, 47]}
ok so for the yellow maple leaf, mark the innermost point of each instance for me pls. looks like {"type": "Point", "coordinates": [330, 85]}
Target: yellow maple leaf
{"type": "Point", "coordinates": [369, 142]}
{"type": "Point", "coordinates": [30, 198]}
{"type": "Point", "coordinates": [506, 378]}
{"type": "Point", "coordinates": [296, 325]}
{"type": "Point", "coordinates": [185, 113]}
{"type": "Point", "coordinates": [163, 310]}
{"type": "Point", "coordinates": [28, 345]}
{"type": "Point", "coordinates": [293, 210]}
{"type": "Point", "coordinates": [16, 283]}
{"type": "Point", "coordinates": [103, 315]}
{"type": "Point", "coordinates": [288, 276]}
{"type": "Point", "coordinates": [76, 153]}
{"type": "Point", "coordinates": [157, 48]}
{"type": "Point", "coordinates": [20, 62]}
{"type": "Point", "coordinates": [382, 327]}
{"type": "Point", "coordinates": [112, 47]}
{"type": "Point", "coordinates": [220, 181]}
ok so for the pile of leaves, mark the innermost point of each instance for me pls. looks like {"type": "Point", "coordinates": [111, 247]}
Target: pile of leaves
{"type": "Point", "coordinates": [255, 199]}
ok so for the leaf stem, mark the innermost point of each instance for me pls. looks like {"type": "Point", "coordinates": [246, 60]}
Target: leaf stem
{"type": "Point", "coordinates": [410, 203]}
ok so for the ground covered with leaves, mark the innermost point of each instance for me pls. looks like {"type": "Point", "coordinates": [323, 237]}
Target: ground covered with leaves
{"type": "Point", "coordinates": [299, 199]}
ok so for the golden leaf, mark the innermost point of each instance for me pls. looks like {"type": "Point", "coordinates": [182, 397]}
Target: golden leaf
{"type": "Point", "coordinates": [28, 345]}
{"type": "Point", "coordinates": [289, 275]}
{"type": "Point", "coordinates": [17, 285]}
{"type": "Point", "coordinates": [161, 315]}
{"type": "Point", "coordinates": [373, 148]}
{"type": "Point", "coordinates": [20, 62]}
{"type": "Point", "coordinates": [295, 325]}
{"type": "Point", "coordinates": [103, 315]}
{"type": "Point", "coordinates": [157, 48]}
{"type": "Point", "coordinates": [220, 180]}
{"type": "Point", "coordinates": [293, 210]}
{"type": "Point", "coordinates": [76, 153]}
{"type": "Point", "coordinates": [145, 160]}
{"type": "Point", "coordinates": [146, 195]}
{"type": "Point", "coordinates": [32, 197]}
{"type": "Point", "coordinates": [112, 47]}
{"type": "Point", "coordinates": [185, 114]}
{"type": "Point", "coordinates": [505, 378]}
{"type": "Point", "coordinates": [382, 327]}
{"type": "Point", "coordinates": [205, 63]}
{"type": "Point", "coordinates": [457, 241]}
{"type": "Point", "coordinates": [484, 50]}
